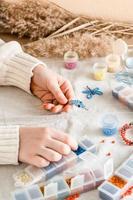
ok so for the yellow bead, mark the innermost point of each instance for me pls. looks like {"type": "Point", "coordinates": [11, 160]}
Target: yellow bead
{"type": "Point", "coordinates": [99, 76]}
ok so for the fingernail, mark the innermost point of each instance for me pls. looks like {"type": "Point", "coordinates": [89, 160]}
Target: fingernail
{"type": "Point", "coordinates": [45, 163]}
{"type": "Point", "coordinates": [67, 149]}
{"type": "Point", "coordinates": [73, 144]}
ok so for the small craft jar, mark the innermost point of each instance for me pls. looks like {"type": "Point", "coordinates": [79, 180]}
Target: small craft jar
{"type": "Point", "coordinates": [113, 63]}
{"type": "Point", "coordinates": [109, 125]}
{"type": "Point", "coordinates": [129, 64]}
{"type": "Point", "coordinates": [99, 71]}
{"type": "Point", "coordinates": [71, 59]}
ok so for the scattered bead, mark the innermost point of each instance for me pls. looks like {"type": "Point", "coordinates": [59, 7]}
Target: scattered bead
{"type": "Point", "coordinates": [108, 154]}
{"type": "Point", "coordinates": [113, 142]}
{"type": "Point", "coordinates": [102, 141]}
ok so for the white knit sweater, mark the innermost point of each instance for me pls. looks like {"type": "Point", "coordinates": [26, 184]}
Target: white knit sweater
{"type": "Point", "coordinates": [15, 70]}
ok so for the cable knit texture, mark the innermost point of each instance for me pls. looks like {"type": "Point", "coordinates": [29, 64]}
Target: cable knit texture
{"type": "Point", "coordinates": [9, 144]}
{"type": "Point", "coordinates": [16, 66]}
{"type": "Point", "coordinates": [16, 70]}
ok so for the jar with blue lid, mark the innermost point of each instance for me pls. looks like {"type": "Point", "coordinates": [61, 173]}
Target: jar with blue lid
{"type": "Point", "coordinates": [109, 124]}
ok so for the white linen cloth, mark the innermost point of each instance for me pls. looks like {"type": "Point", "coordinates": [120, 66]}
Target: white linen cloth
{"type": "Point", "coordinates": [19, 108]}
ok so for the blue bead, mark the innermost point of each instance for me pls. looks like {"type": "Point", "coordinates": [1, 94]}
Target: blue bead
{"type": "Point", "coordinates": [79, 151]}
{"type": "Point", "coordinates": [109, 131]}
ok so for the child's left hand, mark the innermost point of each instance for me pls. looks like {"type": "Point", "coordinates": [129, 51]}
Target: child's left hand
{"type": "Point", "coordinates": [53, 90]}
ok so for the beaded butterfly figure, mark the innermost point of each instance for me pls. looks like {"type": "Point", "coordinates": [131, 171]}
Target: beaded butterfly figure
{"type": "Point", "coordinates": [90, 92]}
{"type": "Point", "coordinates": [77, 103]}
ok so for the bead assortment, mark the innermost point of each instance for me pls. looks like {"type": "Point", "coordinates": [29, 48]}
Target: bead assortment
{"type": "Point", "coordinates": [124, 94]}
{"type": "Point", "coordinates": [94, 175]}
{"type": "Point", "coordinates": [116, 185]}
{"type": "Point", "coordinates": [31, 174]}
{"type": "Point", "coordinates": [73, 182]}
{"type": "Point", "coordinates": [123, 130]}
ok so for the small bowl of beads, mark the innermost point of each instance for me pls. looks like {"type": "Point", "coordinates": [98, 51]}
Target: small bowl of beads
{"type": "Point", "coordinates": [71, 59]}
{"type": "Point", "coordinates": [109, 124]}
{"type": "Point", "coordinates": [99, 71]}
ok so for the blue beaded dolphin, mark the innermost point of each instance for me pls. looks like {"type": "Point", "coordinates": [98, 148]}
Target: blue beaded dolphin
{"type": "Point", "coordinates": [77, 103]}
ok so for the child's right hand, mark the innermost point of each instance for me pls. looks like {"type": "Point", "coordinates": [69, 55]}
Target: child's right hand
{"type": "Point", "coordinates": [40, 146]}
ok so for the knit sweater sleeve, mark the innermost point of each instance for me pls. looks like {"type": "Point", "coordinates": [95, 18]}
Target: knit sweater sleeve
{"type": "Point", "coordinates": [16, 70]}
{"type": "Point", "coordinates": [9, 144]}
{"type": "Point", "coordinates": [16, 66]}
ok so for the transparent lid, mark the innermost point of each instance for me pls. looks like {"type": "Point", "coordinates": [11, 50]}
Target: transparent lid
{"type": "Point", "coordinates": [120, 47]}
{"type": "Point", "coordinates": [109, 120]}
{"type": "Point", "coordinates": [70, 56]}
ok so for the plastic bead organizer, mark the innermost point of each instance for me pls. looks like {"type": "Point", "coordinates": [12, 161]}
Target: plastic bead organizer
{"type": "Point", "coordinates": [87, 174]}
{"type": "Point", "coordinates": [31, 174]}
{"type": "Point", "coordinates": [115, 187]}
{"type": "Point", "coordinates": [124, 94]}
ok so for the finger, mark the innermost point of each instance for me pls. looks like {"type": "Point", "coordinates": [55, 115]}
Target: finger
{"type": "Point", "coordinates": [38, 161]}
{"type": "Point", "coordinates": [57, 109]}
{"type": "Point", "coordinates": [48, 106]}
{"type": "Point", "coordinates": [67, 89]}
{"type": "Point", "coordinates": [67, 108]}
{"type": "Point", "coordinates": [47, 97]}
{"type": "Point", "coordinates": [65, 138]}
{"type": "Point", "coordinates": [50, 155]}
{"type": "Point", "coordinates": [58, 146]}
{"type": "Point", "coordinates": [57, 92]}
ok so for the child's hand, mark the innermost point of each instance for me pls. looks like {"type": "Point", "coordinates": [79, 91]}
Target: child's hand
{"type": "Point", "coordinates": [54, 90]}
{"type": "Point", "coordinates": [40, 146]}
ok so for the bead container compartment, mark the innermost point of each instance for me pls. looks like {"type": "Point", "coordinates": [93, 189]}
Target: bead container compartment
{"type": "Point", "coordinates": [77, 180]}
{"type": "Point", "coordinates": [124, 94]}
{"type": "Point", "coordinates": [115, 186]}
{"type": "Point", "coordinates": [31, 174]}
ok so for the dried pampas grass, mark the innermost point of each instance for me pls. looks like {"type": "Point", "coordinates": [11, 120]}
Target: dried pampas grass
{"type": "Point", "coordinates": [32, 18]}
{"type": "Point", "coordinates": [57, 30]}
{"type": "Point", "coordinates": [85, 45]}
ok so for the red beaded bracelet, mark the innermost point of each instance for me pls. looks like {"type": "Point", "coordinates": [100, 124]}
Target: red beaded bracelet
{"type": "Point", "coordinates": [123, 131]}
